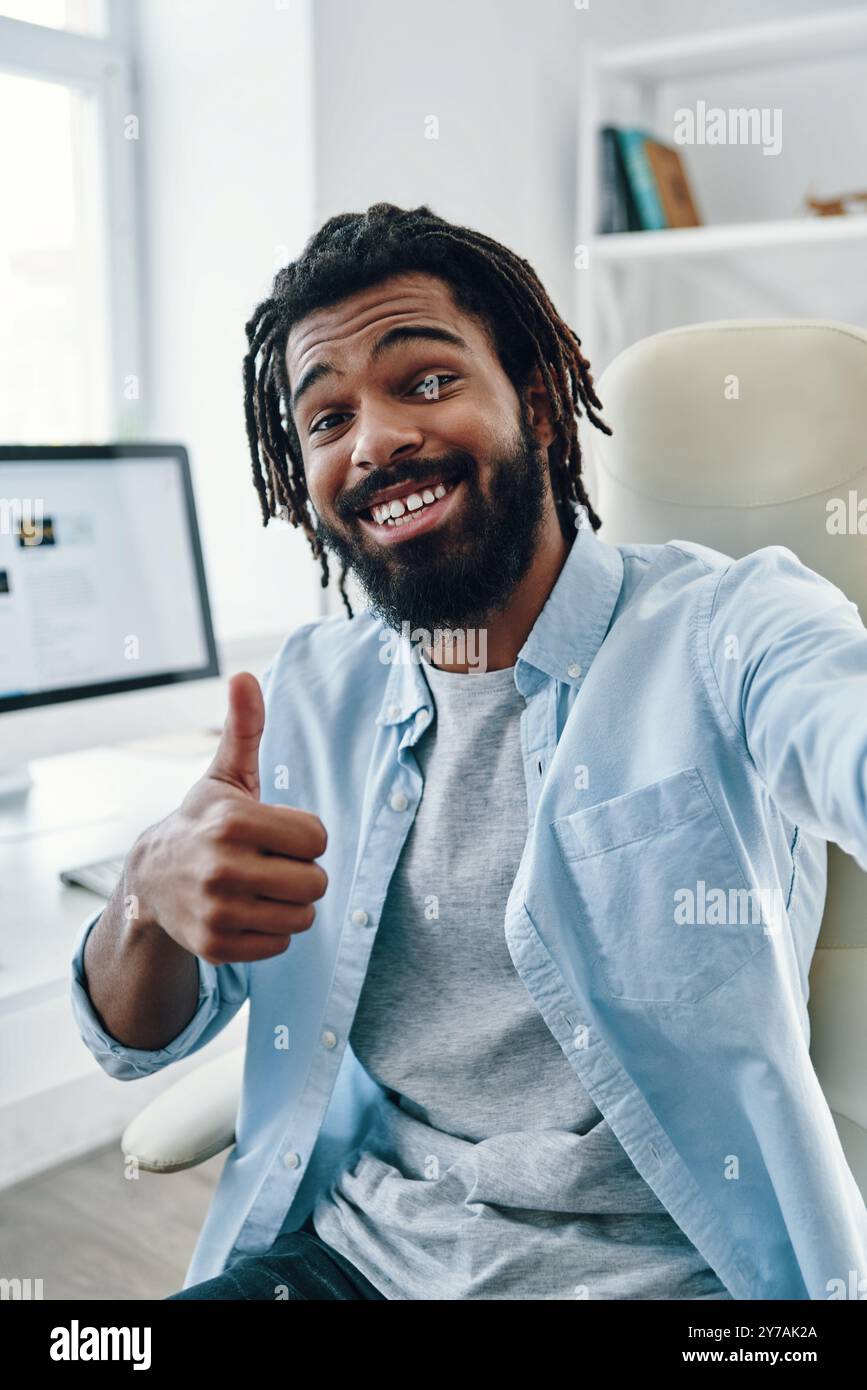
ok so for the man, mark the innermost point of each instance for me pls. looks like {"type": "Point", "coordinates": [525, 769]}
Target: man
{"type": "Point", "coordinates": [544, 1033]}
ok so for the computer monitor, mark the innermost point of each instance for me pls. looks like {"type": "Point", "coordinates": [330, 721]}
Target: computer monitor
{"type": "Point", "coordinates": [102, 582]}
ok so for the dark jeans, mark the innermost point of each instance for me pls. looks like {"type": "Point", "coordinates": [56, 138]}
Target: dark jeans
{"type": "Point", "coordinates": [297, 1265]}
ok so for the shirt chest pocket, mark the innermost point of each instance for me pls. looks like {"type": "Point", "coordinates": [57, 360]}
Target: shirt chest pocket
{"type": "Point", "coordinates": [659, 892]}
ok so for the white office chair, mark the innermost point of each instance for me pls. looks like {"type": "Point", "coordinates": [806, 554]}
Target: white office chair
{"type": "Point", "coordinates": [734, 434]}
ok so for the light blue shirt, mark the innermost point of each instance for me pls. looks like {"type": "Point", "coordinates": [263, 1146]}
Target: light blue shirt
{"type": "Point", "coordinates": [695, 730]}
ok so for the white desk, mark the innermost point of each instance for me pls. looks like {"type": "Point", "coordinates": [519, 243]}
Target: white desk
{"type": "Point", "coordinates": [55, 1101]}
{"type": "Point", "coordinates": [82, 806]}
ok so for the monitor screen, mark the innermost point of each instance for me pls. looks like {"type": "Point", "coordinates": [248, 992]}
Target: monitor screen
{"type": "Point", "coordinates": [102, 585]}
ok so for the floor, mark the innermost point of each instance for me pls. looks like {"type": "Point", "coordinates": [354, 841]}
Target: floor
{"type": "Point", "coordinates": [89, 1232]}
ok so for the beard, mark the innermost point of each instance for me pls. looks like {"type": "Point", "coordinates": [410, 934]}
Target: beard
{"type": "Point", "coordinates": [465, 569]}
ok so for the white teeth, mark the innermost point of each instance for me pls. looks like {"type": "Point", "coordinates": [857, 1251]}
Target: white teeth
{"type": "Point", "coordinates": [392, 513]}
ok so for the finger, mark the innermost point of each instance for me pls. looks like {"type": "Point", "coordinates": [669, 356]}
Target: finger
{"type": "Point", "coordinates": [282, 830]}
{"type": "Point", "coordinates": [265, 917]}
{"type": "Point", "coordinates": [271, 876]}
{"type": "Point", "coordinates": [237, 757]}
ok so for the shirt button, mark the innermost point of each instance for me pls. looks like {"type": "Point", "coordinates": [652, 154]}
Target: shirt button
{"type": "Point", "coordinates": [360, 917]}
{"type": "Point", "coordinates": [393, 711]}
{"type": "Point", "coordinates": [573, 669]}
{"type": "Point", "coordinates": [398, 802]}
{"type": "Point", "coordinates": [329, 1039]}
{"type": "Point", "coordinates": [291, 1160]}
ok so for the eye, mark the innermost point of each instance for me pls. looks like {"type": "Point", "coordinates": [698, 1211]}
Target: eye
{"type": "Point", "coordinates": [318, 426]}
{"type": "Point", "coordinates": [438, 376]}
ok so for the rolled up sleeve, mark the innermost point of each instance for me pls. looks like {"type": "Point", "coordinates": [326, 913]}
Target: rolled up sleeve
{"type": "Point", "coordinates": [222, 991]}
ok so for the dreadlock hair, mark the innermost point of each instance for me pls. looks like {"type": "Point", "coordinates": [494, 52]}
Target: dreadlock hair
{"type": "Point", "coordinates": [501, 290]}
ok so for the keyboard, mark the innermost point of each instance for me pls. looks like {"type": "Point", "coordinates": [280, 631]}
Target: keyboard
{"type": "Point", "coordinates": [102, 876]}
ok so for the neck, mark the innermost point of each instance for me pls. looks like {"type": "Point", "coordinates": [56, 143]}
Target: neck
{"type": "Point", "coordinates": [508, 629]}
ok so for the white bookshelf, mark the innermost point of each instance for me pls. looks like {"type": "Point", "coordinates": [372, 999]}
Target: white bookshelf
{"type": "Point", "coordinates": [604, 311]}
{"type": "Point", "coordinates": [730, 236]}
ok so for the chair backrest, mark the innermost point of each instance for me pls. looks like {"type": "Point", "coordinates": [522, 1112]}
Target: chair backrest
{"type": "Point", "coordinates": [739, 434]}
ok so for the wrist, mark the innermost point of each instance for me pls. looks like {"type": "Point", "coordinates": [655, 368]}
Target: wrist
{"type": "Point", "coordinates": [135, 900]}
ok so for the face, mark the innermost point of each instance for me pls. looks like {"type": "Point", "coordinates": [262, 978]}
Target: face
{"type": "Point", "coordinates": [402, 407]}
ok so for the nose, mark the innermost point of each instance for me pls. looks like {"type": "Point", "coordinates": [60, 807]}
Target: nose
{"type": "Point", "coordinates": [383, 439]}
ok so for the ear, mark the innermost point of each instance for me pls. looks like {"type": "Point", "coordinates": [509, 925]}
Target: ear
{"type": "Point", "coordinates": [538, 404]}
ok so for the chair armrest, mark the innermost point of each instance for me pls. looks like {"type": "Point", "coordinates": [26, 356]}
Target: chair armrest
{"type": "Point", "coordinates": [190, 1121]}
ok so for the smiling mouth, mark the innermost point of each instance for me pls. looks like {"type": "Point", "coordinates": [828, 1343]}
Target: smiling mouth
{"type": "Point", "coordinates": [416, 511]}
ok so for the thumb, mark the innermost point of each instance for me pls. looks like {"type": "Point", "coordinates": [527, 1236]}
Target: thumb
{"type": "Point", "coordinates": [237, 757]}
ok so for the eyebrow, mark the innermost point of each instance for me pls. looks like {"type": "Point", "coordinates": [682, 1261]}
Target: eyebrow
{"type": "Point", "coordinates": [401, 333]}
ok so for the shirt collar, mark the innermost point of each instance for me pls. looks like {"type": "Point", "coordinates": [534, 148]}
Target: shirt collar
{"type": "Point", "coordinates": [562, 643]}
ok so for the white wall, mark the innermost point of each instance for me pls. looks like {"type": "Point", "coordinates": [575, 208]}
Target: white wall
{"type": "Point", "coordinates": [227, 159]}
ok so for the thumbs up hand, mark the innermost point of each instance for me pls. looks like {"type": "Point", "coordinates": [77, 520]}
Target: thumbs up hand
{"type": "Point", "coordinates": [228, 878]}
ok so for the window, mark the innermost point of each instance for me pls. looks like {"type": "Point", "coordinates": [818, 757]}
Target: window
{"type": "Point", "coordinates": [52, 258]}
{"type": "Point", "coordinates": [69, 326]}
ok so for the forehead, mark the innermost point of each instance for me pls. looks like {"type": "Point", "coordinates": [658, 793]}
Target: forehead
{"type": "Point", "coordinates": [354, 323]}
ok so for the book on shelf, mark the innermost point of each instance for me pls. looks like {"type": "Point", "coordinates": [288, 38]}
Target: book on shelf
{"type": "Point", "coordinates": [644, 184]}
{"type": "Point", "coordinates": [618, 211]}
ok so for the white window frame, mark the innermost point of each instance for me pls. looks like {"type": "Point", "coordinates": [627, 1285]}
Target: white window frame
{"type": "Point", "coordinates": [103, 65]}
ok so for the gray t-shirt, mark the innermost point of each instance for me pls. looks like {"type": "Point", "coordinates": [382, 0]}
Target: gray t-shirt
{"type": "Point", "coordinates": [489, 1171]}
